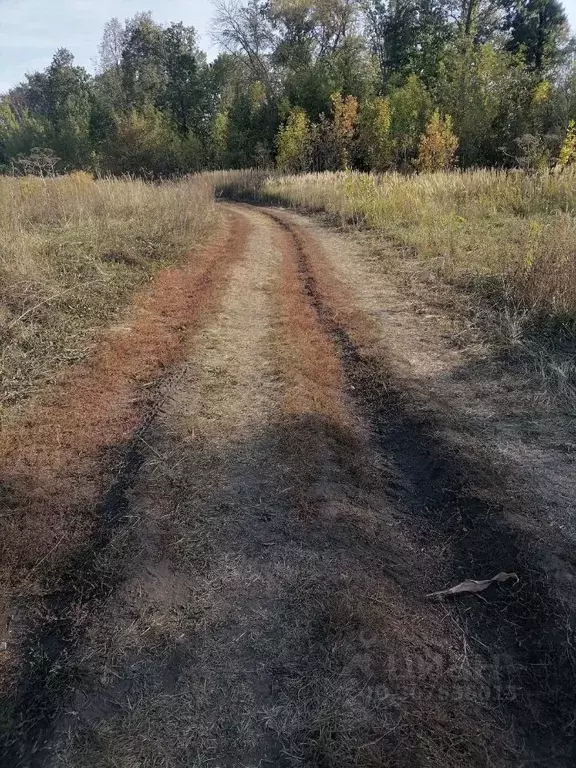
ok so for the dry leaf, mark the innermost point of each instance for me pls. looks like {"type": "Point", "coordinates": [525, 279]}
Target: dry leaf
{"type": "Point", "coordinates": [472, 586]}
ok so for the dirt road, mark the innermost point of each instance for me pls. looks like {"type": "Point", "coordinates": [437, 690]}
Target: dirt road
{"type": "Point", "coordinates": [323, 456]}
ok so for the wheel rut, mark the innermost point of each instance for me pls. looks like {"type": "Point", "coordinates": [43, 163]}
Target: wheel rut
{"type": "Point", "coordinates": [459, 502]}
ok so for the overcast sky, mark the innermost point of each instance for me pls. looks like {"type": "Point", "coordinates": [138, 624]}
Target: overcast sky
{"type": "Point", "coordinates": [31, 30]}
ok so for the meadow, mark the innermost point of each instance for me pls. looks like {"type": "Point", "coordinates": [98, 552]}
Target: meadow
{"type": "Point", "coordinates": [510, 234]}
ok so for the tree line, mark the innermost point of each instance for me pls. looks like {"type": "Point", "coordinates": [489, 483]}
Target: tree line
{"type": "Point", "coordinates": [303, 85]}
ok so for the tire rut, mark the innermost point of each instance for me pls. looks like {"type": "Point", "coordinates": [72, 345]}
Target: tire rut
{"type": "Point", "coordinates": [462, 502]}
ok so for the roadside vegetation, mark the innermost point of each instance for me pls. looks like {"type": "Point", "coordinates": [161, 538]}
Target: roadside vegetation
{"type": "Point", "coordinates": [72, 252]}
{"type": "Point", "coordinates": [509, 234]}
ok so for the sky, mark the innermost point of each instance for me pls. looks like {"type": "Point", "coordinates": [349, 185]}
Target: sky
{"type": "Point", "coordinates": [31, 30]}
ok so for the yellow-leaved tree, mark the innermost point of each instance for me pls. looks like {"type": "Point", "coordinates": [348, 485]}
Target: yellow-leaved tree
{"type": "Point", "coordinates": [568, 150]}
{"type": "Point", "coordinates": [438, 145]}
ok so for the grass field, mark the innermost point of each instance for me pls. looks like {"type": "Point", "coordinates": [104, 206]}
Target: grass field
{"type": "Point", "coordinates": [72, 251]}
{"type": "Point", "coordinates": [511, 234]}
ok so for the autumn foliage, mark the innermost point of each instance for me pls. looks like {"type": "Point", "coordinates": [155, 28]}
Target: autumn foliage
{"type": "Point", "coordinates": [568, 150]}
{"type": "Point", "coordinates": [438, 145]}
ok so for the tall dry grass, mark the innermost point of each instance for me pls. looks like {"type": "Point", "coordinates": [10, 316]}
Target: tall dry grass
{"type": "Point", "coordinates": [71, 252]}
{"type": "Point", "coordinates": [513, 232]}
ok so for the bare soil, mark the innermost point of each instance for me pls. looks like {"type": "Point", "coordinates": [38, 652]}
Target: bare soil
{"type": "Point", "coordinates": [328, 446]}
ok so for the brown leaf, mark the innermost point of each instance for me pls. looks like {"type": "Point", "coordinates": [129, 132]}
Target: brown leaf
{"type": "Point", "coordinates": [472, 586]}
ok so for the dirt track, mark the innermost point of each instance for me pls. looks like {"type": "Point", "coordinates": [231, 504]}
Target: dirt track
{"type": "Point", "coordinates": [325, 456]}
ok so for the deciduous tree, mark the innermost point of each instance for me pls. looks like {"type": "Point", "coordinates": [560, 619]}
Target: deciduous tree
{"type": "Point", "coordinates": [438, 145]}
{"type": "Point", "coordinates": [294, 143]}
{"type": "Point", "coordinates": [375, 145]}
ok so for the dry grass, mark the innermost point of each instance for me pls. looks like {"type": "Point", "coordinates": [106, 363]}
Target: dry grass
{"type": "Point", "coordinates": [66, 464]}
{"type": "Point", "coordinates": [72, 251]}
{"type": "Point", "coordinates": [513, 233]}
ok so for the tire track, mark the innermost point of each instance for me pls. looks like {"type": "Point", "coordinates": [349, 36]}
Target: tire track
{"type": "Point", "coordinates": [102, 419]}
{"type": "Point", "coordinates": [524, 634]}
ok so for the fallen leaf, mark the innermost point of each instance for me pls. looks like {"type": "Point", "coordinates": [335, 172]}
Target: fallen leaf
{"type": "Point", "coordinates": [470, 586]}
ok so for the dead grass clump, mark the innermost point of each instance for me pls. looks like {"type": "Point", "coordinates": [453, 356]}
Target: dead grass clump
{"type": "Point", "coordinates": [72, 251]}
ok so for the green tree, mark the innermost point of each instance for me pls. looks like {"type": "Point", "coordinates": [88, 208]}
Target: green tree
{"type": "Point", "coordinates": [293, 143]}
{"type": "Point", "coordinates": [375, 145]}
{"type": "Point", "coordinates": [410, 107]}
{"type": "Point", "coordinates": [488, 94]}
{"type": "Point", "coordinates": [60, 99]}
{"type": "Point", "coordinates": [145, 143]}
{"type": "Point", "coordinates": [144, 76]}
{"type": "Point", "coordinates": [311, 29]}
{"type": "Point", "coordinates": [19, 135]}
{"type": "Point", "coordinates": [539, 30]}
{"type": "Point", "coordinates": [252, 127]}
{"type": "Point", "coordinates": [409, 37]}
{"type": "Point", "coordinates": [186, 94]}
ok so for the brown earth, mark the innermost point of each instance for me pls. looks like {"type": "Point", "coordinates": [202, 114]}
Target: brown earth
{"type": "Point", "coordinates": [241, 580]}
